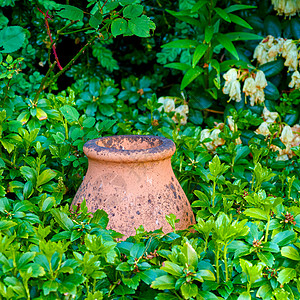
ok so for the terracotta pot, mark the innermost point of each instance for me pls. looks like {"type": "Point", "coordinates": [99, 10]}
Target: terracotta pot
{"type": "Point", "coordinates": [131, 178]}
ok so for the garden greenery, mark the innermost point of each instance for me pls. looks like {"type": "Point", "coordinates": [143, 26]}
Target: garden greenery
{"type": "Point", "coordinates": [218, 77]}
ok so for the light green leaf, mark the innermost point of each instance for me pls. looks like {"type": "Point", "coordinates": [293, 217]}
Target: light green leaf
{"type": "Point", "coordinates": [165, 282]}
{"type": "Point", "coordinates": [286, 275]}
{"type": "Point", "coordinates": [236, 7]}
{"type": "Point", "coordinates": [189, 290]}
{"type": "Point", "coordinates": [256, 213]}
{"type": "Point", "coordinates": [244, 296]}
{"type": "Point", "coordinates": [284, 237]}
{"type": "Point", "coordinates": [208, 34]}
{"type": "Point", "coordinates": [290, 252]}
{"type": "Point", "coordinates": [45, 176]}
{"type": "Point", "coordinates": [11, 39]}
{"type": "Point", "coordinates": [172, 268]}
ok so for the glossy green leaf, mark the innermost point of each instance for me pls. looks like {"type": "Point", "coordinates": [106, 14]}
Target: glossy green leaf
{"type": "Point", "coordinates": [227, 44]}
{"type": "Point", "coordinates": [45, 177]}
{"type": "Point", "coordinates": [238, 20]}
{"type": "Point", "coordinates": [290, 252]}
{"type": "Point", "coordinates": [189, 290]}
{"type": "Point", "coordinates": [272, 25]}
{"type": "Point", "coordinates": [244, 296]}
{"type": "Point", "coordinates": [133, 11]}
{"type": "Point", "coordinates": [141, 26]}
{"type": "Point", "coordinates": [236, 7]}
{"type": "Point", "coordinates": [164, 282]}
{"type": "Point", "coordinates": [208, 34]}
{"type": "Point", "coordinates": [272, 68]}
{"type": "Point", "coordinates": [223, 14]}
{"type": "Point", "coordinates": [266, 258]}
{"type": "Point", "coordinates": [286, 275]}
{"type": "Point", "coordinates": [190, 76]}
{"type": "Point", "coordinates": [62, 219]}
{"type": "Point", "coordinates": [118, 26]}
{"type": "Point", "coordinates": [295, 26]}
{"type": "Point", "coordinates": [70, 12]}
{"type": "Point", "coordinates": [284, 237]}
{"type": "Point", "coordinates": [70, 113]}
{"type": "Point", "coordinates": [256, 213]}
{"type": "Point", "coordinates": [198, 5]}
{"type": "Point", "coordinates": [11, 39]}
{"type": "Point", "coordinates": [178, 66]}
{"type": "Point", "coordinates": [198, 54]}
{"type": "Point", "coordinates": [181, 44]}
{"type": "Point", "coordinates": [271, 91]}
{"type": "Point", "coordinates": [172, 268]}
{"type": "Point", "coordinates": [243, 36]}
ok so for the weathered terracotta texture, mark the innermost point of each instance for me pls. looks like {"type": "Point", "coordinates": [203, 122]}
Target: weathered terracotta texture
{"type": "Point", "coordinates": [131, 178]}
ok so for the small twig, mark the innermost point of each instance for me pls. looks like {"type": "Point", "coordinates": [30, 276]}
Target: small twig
{"type": "Point", "coordinates": [42, 87]}
{"type": "Point", "coordinates": [214, 111]}
{"type": "Point", "coordinates": [46, 16]}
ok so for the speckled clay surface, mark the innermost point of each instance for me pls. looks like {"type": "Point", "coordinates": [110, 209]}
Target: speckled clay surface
{"type": "Point", "coordinates": [131, 178]}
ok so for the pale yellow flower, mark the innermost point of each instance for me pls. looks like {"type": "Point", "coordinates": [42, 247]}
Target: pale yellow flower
{"type": "Point", "coordinates": [287, 135]}
{"type": "Point", "coordinates": [269, 117]}
{"type": "Point", "coordinates": [230, 75]}
{"type": "Point", "coordinates": [235, 91]}
{"type": "Point", "coordinates": [249, 87]}
{"type": "Point", "coordinates": [295, 82]}
{"type": "Point", "coordinates": [217, 141]}
{"type": "Point", "coordinates": [263, 129]}
{"type": "Point", "coordinates": [260, 80]}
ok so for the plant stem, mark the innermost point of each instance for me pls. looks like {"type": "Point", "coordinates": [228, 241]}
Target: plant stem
{"type": "Point", "coordinates": [217, 254]}
{"type": "Point", "coordinates": [225, 263]}
{"type": "Point", "coordinates": [42, 87]}
{"type": "Point", "coordinates": [70, 62]}
{"type": "Point", "coordinates": [214, 192]}
{"type": "Point", "coordinates": [268, 225]}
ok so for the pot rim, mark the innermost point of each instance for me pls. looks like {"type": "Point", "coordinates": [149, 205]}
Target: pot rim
{"type": "Point", "coordinates": [164, 150]}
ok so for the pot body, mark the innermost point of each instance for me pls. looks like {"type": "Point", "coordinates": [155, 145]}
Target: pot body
{"type": "Point", "coordinates": [134, 186]}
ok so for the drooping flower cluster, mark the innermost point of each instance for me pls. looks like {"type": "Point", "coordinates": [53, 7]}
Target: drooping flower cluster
{"type": "Point", "coordinates": [288, 8]}
{"type": "Point", "coordinates": [270, 48]}
{"type": "Point", "coordinates": [168, 105]}
{"type": "Point", "coordinates": [253, 86]}
{"type": "Point", "coordinates": [214, 136]}
{"type": "Point", "coordinates": [290, 136]}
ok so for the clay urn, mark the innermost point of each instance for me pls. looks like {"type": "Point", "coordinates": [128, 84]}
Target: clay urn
{"type": "Point", "coordinates": [131, 178]}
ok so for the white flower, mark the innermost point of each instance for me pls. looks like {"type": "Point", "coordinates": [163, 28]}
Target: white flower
{"type": "Point", "coordinates": [263, 129]}
{"type": "Point", "coordinates": [290, 53]}
{"type": "Point", "coordinates": [269, 117]}
{"type": "Point", "coordinates": [182, 110]}
{"type": "Point", "coordinates": [235, 91]}
{"type": "Point", "coordinates": [295, 80]}
{"type": "Point", "coordinates": [168, 104]}
{"type": "Point", "coordinates": [287, 135]}
{"type": "Point", "coordinates": [249, 87]}
{"type": "Point", "coordinates": [205, 134]}
{"type": "Point", "coordinates": [217, 141]}
{"type": "Point", "coordinates": [288, 8]}
{"type": "Point", "coordinates": [260, 80]}
{"type": "Point", "coordinates": [230, 75]}
{"type": "Point", "coordinates": [231, 123]}
{"type": "Point", "coordinates": [258, 97]}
